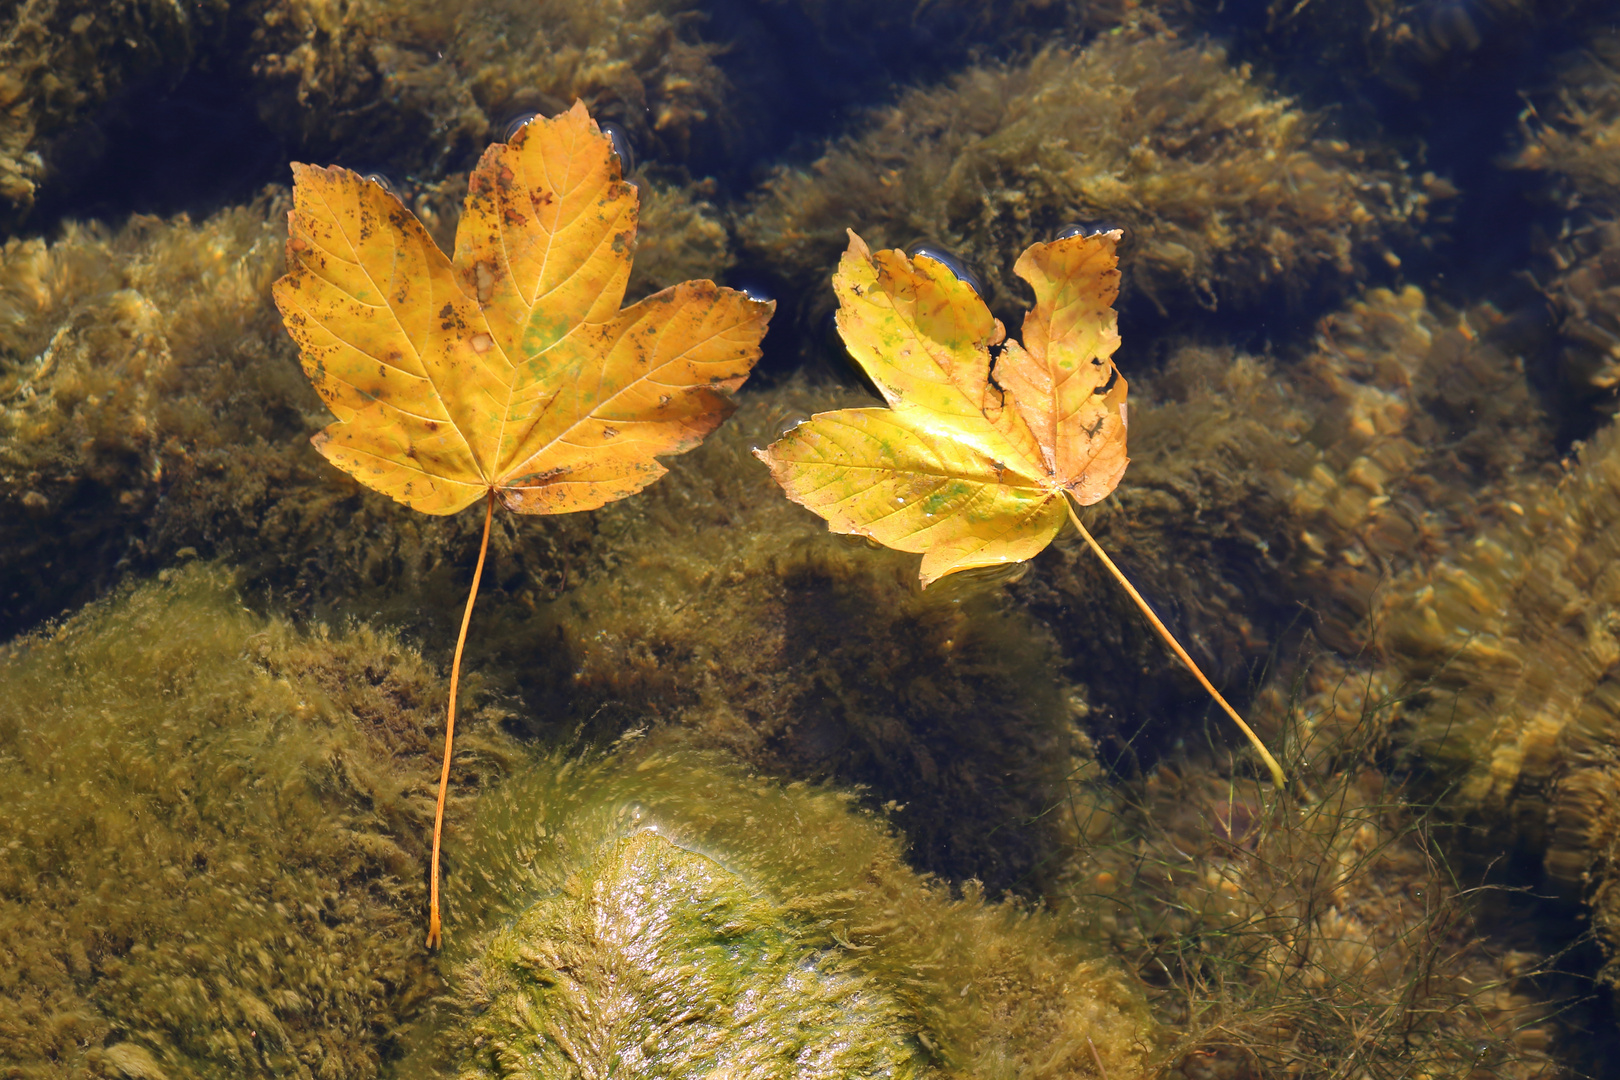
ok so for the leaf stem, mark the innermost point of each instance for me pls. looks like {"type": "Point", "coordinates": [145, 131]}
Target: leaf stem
{"type": "Point", "coordinates": [433, 935]}
{"type": "Point", "coordinates": [1175, 646]}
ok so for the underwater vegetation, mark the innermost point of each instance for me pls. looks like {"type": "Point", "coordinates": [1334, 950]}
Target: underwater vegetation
{"type": "Point", "coordinates": [1222, 187]}
{"type": "Point", "coordinates": [221, 839]}
{"type": "Point", "coordinates": [129, 361]}
{"type": "Point", "coordinates": [59, 59]}
{"type": "Point", "coordinates": [659, 909]}
{"type": "Point", "coordinates": [1271, 494]}
{"type": "Point", "coordinates": [1358, 53]}
{"type": "Point", "coordinates": [410, 85]}
{"type": "Point", "coordinates": [1298, 933]}
{"type": "Point", "coordinates": [1509, 642]}
{"type": "Point", "coordinates": [1574, 137]}
{"type": "Point", "coordinates": [416, 83]}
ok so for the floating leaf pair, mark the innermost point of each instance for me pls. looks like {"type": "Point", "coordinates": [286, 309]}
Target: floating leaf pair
{"type": "Point", "coordinates": [965, 470]}
{"type": "Point", "coordinates": [509, 372]}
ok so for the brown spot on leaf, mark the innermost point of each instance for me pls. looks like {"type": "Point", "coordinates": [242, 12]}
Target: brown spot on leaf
{"type": "Point", "coordinates": [485, 275]}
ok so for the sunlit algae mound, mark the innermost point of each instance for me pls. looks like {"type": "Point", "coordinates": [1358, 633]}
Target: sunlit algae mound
{"type": "Point", "coordinates": [659, 912]}
{"type": "Point", "coordinates": [1221, 186]}
{"type": "Point", "coordinates": [1510, 644]}
{"type": "Point", "coordinates": [724, 609]}
{"type": "Point", "coordinates": [218, 840]}
{"type": "Point", "coordinates": [150, 402]}
{"type": "Point", "coordinates": [1266, 495]}
{"type": "Point", "coordinates": [1576, 138]}
{"type": "Point", "coordinates": [1286, 935]}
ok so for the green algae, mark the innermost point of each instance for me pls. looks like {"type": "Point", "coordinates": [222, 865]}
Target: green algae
{"type": "Point", "coordinates": [1223, 188]}
{"type": "Point", "coordinates": [710, 888]}
{"type": "Point", "coordinates": [659, 961]}
{"type": "Point", "coordinates": [1509, 644]}
{"type": "Point", "coordinates": [218, 844]}
{"type": "Point", "coordinates": [1286, 933]}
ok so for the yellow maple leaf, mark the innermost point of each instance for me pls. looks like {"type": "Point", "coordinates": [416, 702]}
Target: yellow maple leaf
{"type": "Point", "coordinates": [509, 373]}
{"type": "Point", "coordinates": [964, 471]}
{"type": "Point", "coordinates": [968, 467]}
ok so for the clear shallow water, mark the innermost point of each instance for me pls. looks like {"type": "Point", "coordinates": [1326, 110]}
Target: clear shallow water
{"type": "Point", "coordinates": [1364, 320]}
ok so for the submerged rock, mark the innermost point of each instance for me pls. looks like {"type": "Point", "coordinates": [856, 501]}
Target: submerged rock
{"type": "Point", "coordinates": [658, 909]}
{"type": "Point", "coordinates": [1222, 188]}
{"type": "Point", "coordinates": [219, 834]}
{"type": "Point", "coordinates": [660, 961]}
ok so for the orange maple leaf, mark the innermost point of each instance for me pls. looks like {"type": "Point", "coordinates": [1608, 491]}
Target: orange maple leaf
{"type": "Point", "coordinates": [509, 372]}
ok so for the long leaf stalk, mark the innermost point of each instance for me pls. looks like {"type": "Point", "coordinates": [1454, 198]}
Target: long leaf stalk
{"type": "Point", "coordinates": [433, 934]}
{"type": "Point", "coordinates": [1175, 647]}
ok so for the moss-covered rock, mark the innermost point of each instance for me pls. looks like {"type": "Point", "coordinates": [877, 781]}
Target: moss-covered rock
{"type": "Point", "coordinates": [658, 909]}
{"type": "Point", "coordinates": [1222, 187]}
{"type": "Point", "coordinates": [219, 840]}
{"type": "Point", "coordinates": [421, 86]}
{"type": "Point", "coordinates": [124, 358]}
{"type": "Point", "coordinates": [660, 960]}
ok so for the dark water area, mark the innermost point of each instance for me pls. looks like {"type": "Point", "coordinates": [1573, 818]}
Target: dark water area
{"type": "Point", "coordinates": [733, 792]}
